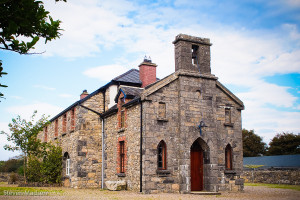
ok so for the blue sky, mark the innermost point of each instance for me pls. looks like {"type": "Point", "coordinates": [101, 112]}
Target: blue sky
{"type": "Point", "coordinates": [255, 53]}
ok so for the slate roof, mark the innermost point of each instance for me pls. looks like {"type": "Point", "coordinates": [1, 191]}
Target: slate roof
{"type": "Point", "coordinates": [129, 92]}
{"type": "Point", "coordinates": [131, 76]}
{"type": "Point", "coordinates": [132, 91]}
{"type": "Point", "coordinates": [282, 161]}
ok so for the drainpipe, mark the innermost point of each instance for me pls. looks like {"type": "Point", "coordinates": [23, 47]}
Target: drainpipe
{"type": "Point", "coordinates": [102, 136]}
{"type": "Point", "coordinates": [141, 147]}
{"type": "Point", "coordinates": [102, 163]}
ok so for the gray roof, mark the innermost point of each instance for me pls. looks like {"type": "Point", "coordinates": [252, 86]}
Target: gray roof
{"type": "Point", "coordinates": [282, 161]}
{"type": "Point", "coordinates": [132, 91]}
{"type": "Point", "coordinates": [131, 76]}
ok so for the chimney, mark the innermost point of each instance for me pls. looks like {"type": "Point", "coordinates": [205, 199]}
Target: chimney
{"type": "Point", "coordinates": [84, 94]}
{"type": "Point", "coordinates": [147, 72]}
{"type": "Point", "coordinates": [192, 54]}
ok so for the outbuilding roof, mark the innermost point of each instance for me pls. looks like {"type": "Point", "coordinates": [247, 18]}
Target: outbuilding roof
{"type": "Point", "coordinates": [282, 161]}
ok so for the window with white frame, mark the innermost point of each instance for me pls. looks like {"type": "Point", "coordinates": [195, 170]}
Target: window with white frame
{"type": "Point", "coordinates": [68, 166]}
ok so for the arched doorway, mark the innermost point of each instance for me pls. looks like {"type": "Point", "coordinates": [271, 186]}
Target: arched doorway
{"type": "Point", "coordinates": [196, 167]}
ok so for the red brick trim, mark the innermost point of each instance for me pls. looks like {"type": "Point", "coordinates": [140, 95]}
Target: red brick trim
{"type": "Point", "coordinates": [120, 140]}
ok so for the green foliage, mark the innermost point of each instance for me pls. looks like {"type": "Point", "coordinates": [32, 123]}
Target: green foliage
{"type": "Point", "coordinates": [2, 73]}
{"type": "Point", "coordinates": [30, 189]}
{"type": "Point", "coordinates": [34, 169]}
{"type": "Point", "coordinates": [47, 166]}
{"type": "Point", "coordinates": [26, 18]}
{"type": "Point", "coordinates": [52, 165]}
{"type": "Point", "coordinates": [23, 134]}
{"type": "Point", "coordinates": [281, 186]}
{"type": "Point", "coordinates": [284, 144]}
{"type": "Point", "coordinates": [253, 166]}
{"type": "Point", "coordinates": [252, 144]}
{"type": "Point", "coordinates": [11, 165]}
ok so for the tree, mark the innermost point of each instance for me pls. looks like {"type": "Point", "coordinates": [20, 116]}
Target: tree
{"type": "Point", "coordinates": [284, 144]}
{"type": "Point", "coordinates": [2, 73]}
{"type": "Point", "coordinates": [252, 144]}
{"type": "Point", "coordinates": [25, 18]}
{"type": "Point", "coordinates": [23, 134]}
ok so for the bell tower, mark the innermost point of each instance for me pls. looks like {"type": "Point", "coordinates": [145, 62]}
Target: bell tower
{"type": "Point", "coordinates": [192, 54]}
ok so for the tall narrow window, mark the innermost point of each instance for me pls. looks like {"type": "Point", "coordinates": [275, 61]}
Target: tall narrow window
{"type": "Point", "coordinates": [122, 119]}
{"type": "Point", "coordinates": [228, 157]}
{"type": "Point", "coordinates": [56, 128]}
{"type": "Point", "coordinates": [227, 116]}
{"type": "Point", "coordinates": [64, 123]}
{"type": "Point", "coordinates": [73, 119]}
{"type": "Point", "coordinates": [68, 161]}
{"type": "Point", "coordinates": [68, 166]}
{"type": "Point", "coordinates": [46, 134]}
{"type": "Point", "coordinates": [122, 156]}
{"type": "Point", "coordinates": [161, 156]}
{"type": "Point", "coordinates": [161, 110]}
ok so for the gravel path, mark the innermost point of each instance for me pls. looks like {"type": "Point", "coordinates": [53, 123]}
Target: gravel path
{"type": "Point", "coordinates": [250, 193]}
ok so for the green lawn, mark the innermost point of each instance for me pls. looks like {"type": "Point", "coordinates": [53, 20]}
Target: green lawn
{"type": "Point", "coordinates": [26, 191]}
{"type": "Point", "coordinates": [281, 186]}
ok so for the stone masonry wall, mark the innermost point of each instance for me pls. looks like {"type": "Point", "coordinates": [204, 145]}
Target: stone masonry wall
{"type": "Point", "coordinates": [291, 177]}
{"type": "Point", "coordinates": [131, 135]}
{"type": "Point", "coordinates": [83, 144]}
{"type": "Point", "coordinates": [156, 129]}
{"type": "Point", "coordinates": [190, 99]}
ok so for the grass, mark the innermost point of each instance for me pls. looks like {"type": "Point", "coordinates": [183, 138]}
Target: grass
{"type": "Point", "coordinates": [281, 186]}
{"type": "Point", "coordinates": [22, 191]}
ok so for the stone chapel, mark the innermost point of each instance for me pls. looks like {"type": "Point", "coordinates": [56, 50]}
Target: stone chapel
{"type": "Point", "coordinates": [180, 134]}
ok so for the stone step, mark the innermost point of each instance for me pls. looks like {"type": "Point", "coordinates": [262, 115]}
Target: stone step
{"type": "Point", "coordinates": [205, 193]}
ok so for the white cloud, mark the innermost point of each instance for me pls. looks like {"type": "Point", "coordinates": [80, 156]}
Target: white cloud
{"type": "Point", "coordinates": [66, 95]}
{"type": "Point", "coordinates": [239, 57]}
{"type": "Point", "coordinates": [44, 87]}
{"type": "Point", "coordinates": [26, 111]}
{"type": "Point", "coordinates": [105, 73]}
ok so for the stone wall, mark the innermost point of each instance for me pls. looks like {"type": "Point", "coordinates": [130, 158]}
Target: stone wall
{"type": "Point", "coordinates": [130, 134]}
{"type": "Point", "coordinates": [291, 177]}
{"type": "Point", "coordinates": [156, 129]}
{"type": "Point", "coordinates": [83, 144]}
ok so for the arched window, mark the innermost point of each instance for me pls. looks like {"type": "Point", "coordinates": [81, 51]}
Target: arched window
{"type": "Point", "coordinates": [228, 157]}
{"type": "Point", "coordinates": [67, 158]}
{"type": "Point", "coordinates": [161, 156]}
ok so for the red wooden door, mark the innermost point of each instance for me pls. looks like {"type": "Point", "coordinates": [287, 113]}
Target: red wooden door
{"type": "Point", "coordinates": [196, 167]}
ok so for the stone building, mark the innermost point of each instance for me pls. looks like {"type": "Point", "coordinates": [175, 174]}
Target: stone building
{"type": "Point", "coordinates": [181, 133]}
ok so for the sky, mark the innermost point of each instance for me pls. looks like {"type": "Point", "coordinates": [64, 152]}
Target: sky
{"type": "Point", "coordinates": [255, 54]}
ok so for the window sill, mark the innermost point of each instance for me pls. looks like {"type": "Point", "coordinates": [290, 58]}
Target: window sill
{"type": "Point", "coordinates": [121, 174]}
{"type": "Point", "coordinates": [228, 124]}
{"type": "Point", "coordinates": [229, 172]}
{"type": "Point", "coordinates": [121, 130]}
{"type": "Point", "coordinates": [162, 119]}
{"type": "Point", "coordinates": [163, 172]}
